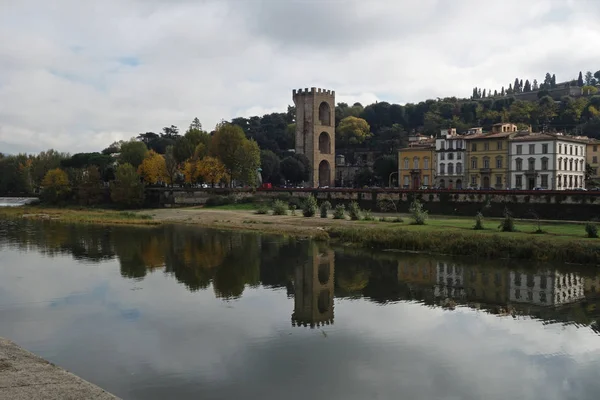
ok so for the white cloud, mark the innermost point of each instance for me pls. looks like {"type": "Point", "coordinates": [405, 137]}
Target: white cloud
{"type": "Point", "coordinates": [76, 77]}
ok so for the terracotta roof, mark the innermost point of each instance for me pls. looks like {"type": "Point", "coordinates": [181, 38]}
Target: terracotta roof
{"type": "Point", "coordinates": [489, 135]}
{"type": "Point", "coordinates": [547, 136]}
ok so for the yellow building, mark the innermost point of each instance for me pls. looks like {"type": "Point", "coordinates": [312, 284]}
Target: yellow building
{"type": "Point", "coordinates": [486, 285]}
{"type": "Point", "coordinates": [592, 157]}
{"type": "Point", "coordinates": [418, 270]}
{"type": "Point", "coordinates": [416, 164]}
{"type": "Point", "coordinates": [487, 157]}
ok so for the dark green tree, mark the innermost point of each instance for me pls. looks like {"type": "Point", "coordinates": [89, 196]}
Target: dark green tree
{"type": "Point", "coordinates": [580, 79]}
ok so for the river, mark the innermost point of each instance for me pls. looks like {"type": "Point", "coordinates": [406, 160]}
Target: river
{"type": "Point", "coordinates": [176, 312]}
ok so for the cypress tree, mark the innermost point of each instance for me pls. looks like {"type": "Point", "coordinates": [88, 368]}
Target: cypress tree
{"type": "Point", "coordinates": [527, 87]}
{"type": "Point", "coordinates": [535, 85]}
{"type": "Point", "coordinates": [553, 81]}
{"type": "Point", "coordinates": [580, 79]}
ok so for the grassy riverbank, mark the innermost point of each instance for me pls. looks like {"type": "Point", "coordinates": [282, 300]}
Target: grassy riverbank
{"type": "Point", "coordinates": [78, 215]}
{"type": "Point", "coordinates": [562, 242]}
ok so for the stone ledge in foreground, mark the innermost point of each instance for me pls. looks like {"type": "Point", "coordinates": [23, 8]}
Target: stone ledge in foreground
{"type": "Point", "coordinates": [26, 376]}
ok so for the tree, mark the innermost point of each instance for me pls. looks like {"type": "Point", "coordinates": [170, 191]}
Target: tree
{"type": "Point", "coordinates": [170, 132]}
{"type": "Point", "coordinates": [384, 166]}
{"type": "Point", "coordinates": [212, 170]}
{"type": "Point", "coordinates": [225, 145]}
{"type": "Point", "coordinates": [195, 125]}
{"type": "Point", "coordinates": [352, 131]}
{"type": "Point", "coordinates": [55, 186]}
{"type": "Point", "coordinates": [546, 110]}
{"type": "Point", "coordinates": [588, 78]}
{"type": "Point", "coordinates": [44, 162]}
{"type": "Point", "coordinates": [270, 165]}
{"type": "Point", "coordinates": [171, 165]}
{"type": "Point", "coordinates": [516, 85]}
{"type": "Point", "coordinates": [535, 85]}
{"type": "Point", "coordinates": [247, 162]}
{"type": "Point", "coordinates": [132, 152]}
{"type": "Point", "coordinates": [527, 87]}
{"type": "Point", "coordinates": [509, 90]}
{"type": "Point", "coordinates": [484, 93]}
{"type": "Point", "coordinates": [521, 86]}
{"type": "Point", "coordinates": [127, 190]}
{"type": "Point", "coordinates": [553, 81]}
{"type": "Point", "coordinates": [153, 169]}
{"type": "Point", "coordinates": [364, 177]}
{"type": "Point", "coordinates": [495, 93]}
{"type": "Point", "coordinates": [185, 146]}
{"type": "Point", "coordinates": [580, 79]}
{"type": "Point", "coordinates": [502, 93]}
{"type": "Point", "coordinates": [293, 170]}
{"type": "Point", "coordinates": [90, 190]}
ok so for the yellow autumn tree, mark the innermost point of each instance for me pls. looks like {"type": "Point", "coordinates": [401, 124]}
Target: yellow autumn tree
{"type": "Point", "coordinates": [212, 170]}
{"type": "Point", "coordinates": [55, 186]}
{"type": "Point", "coordinates": [191, 171]}
{"type": "Point", "coordinates": [153, 168]}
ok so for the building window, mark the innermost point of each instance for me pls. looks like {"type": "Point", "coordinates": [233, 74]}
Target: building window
{"type": "Point", "coordinates": [544, 149]}
{"type": "Point", "coordinates": [450, 169]}
{"type": "Point", "coordinates": [559, 148]}
{"type": "Point", "coordinates": [571, 165]}
{"type": "Point", "coordinates": [544, 181]}
{"type": "Point", "coordinates": [542, 297]}
{"type": "Point", "coordinates": [450, 156]}
{"type": "Point", "coordinates": [406, 181]}
{"type": "Point", "coordinates": [473, 180]}
{"type": "Point", "coordinates": [544, 164]}
{"type": "Point", "coordinates": [442, 169]}
{"type": "Point", "coordinates": [415, 163]}
{"type": "Point", "coordinates": [498, 162]}
{"type": "Point", "coordinates": [450, 145]}
{"type": "Point", "coordinates": [406, 163]}
{"type": "Point", "coordinates": [517, 294]}
{"type": "Point", "coordinates": [576, 150]}
{"type": "Point", "coordinates": [499, 145]}
{"type": "Point", "coordinates": [486, 146]}
{"type": "Point", "coordinates": [426, 163]}
{"type": "Point", "coordinates": [532, 149]}
{"type": "Point", "coordinates": [519, 149]}
{"type": "Point", "coordinates": [473, 146]}
{"type": "Point", "coordinates": [426, 180]}
{"type": "Point", "coordinates": [519, 181]}
{"type": "Point", "coordinates": [570, 150]}
{"type": "Point", "coordinates": [473, 162]}
{"type": "Point", "coordinates": [459, 156]}
{"type": "Point", "coordinates": [560, 163]}
{"type": "Point", "coordinates": [519, 163]}
{"type": "Point", "coordinates": [486, 162]}
{"type": "Point", "coordinates": [595, 159]}
{"type": "Point", "coordinates": [442, 156]}
{"type": "Point", "coordinates": [532, 164]}
{"type": "Point", "coordinates": [581, 165]}
{"type": "Point", "coordinates": [459, 169]}
{"type": "Point", "coordinates": [595, 149]}
{"type": "Point", "coordinates": [517, 279]}
{"type": "Point", "coordinates": [498, 180]}
{"type": "Point", "coordinates": [442, 145]}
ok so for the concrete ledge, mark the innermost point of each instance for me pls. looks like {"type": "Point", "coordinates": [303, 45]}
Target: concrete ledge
{"type": "Point", "coordinates": [26, 376]}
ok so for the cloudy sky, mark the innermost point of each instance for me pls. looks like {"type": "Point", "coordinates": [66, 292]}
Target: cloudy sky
{"type": "Point", "coordinates": [77, 75]}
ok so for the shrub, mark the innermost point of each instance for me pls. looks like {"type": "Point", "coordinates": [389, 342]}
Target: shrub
{"type": "Point", "coordinates": [368, 216]}
{"type": "Point", "coordinates": [325, 207]}
{"type": "Point", "coordinates": [293, 208]}
{"type": "Point", "coordinates": [295, 201]}
{"type": "Point", "coordinates": [591, 230]}
{"type": "Point", "coordinates": [339, 212]}
{"type": "Point", "coordinates": [418, 214]}
{"type": "Point", "coordinates": [478, 222]}
{"type": "Point", "coordinates": [507, 224]}
{"type": "Point", "coordinates": [262, 209]}
{"type": "Point", "coordinates": [354, 211]}
{"type": "Point", "coordinates": [310, 206]}
{"type": "Point", "coordinates": [280, 208]}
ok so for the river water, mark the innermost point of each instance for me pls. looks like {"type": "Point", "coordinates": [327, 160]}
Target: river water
{"type": "Point", "coordinates": [185, 313]}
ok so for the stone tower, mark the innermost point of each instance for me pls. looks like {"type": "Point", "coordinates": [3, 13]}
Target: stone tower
{"type": "Point", "coordinates": [313, 289]}
{"type": "Point", "coordinates": [315, 133]}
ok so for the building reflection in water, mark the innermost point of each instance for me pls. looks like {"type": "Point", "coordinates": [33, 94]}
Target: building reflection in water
{"type": "Point", "coordinates": [314, 288]}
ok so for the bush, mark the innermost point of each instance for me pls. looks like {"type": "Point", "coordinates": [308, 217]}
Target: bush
{"type": "Point", "coordinates": [507, 224]}
{"type": "Point", "coordinates": [354, 211]}
{"type": "Point", "coordinates": [418, 214]}
{"type": "Point", "coordinates": [591, 230]}
{"type": "Point", "coordinates": [310, 206]}
{"type": "Point", "coordinates": [295, 201]}
{"type": "Point", "coordinates": [339, 212]}
{"type": "Point", "coordinates": [393, 220]}
{"type": "Point", "coordinates": [262, 209]}
{"type": "Point", "coordinates": [368, 216]}
{"type": "Point", "coordinates": [280, 208]}
{"type": "Point", "coordinates": [293, 208]}
{"type": "Point", "coordinates": [478, 222]}
{"type": "Point", "coordinates": [325, 207]}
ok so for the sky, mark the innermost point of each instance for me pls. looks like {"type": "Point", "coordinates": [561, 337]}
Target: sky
{"type": "Point", "coordinates": [76, 76]}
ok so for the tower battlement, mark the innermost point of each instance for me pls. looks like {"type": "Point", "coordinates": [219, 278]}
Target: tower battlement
{"type": "Point", "coordinates": [311, 91]}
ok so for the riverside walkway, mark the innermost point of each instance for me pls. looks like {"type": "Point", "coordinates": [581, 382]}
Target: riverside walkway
{"type": "Point", "coordinates": [25, 376]}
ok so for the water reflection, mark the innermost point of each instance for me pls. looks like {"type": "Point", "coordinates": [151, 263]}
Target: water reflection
{"type": "Point", "coordinates": [315, 274]}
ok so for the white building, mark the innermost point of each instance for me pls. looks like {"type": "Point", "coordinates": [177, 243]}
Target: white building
{"type": "Point", "coordinates": [450, 160]}
{"type": "Point", "coordinates": [548, 161]}
{"type": "Point", "coordinates": [546, 288]}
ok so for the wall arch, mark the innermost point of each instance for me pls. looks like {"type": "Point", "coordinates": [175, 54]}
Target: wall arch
{"type": "Point", "coordinates": [324, 173]}
{"type": "Point", "coordinates": [324, 143]}
{"type": "Point", "coordinates": [325, 114]}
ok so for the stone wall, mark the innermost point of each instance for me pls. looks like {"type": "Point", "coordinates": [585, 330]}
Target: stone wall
{"type": "Point", "coordinates": [561, 205]}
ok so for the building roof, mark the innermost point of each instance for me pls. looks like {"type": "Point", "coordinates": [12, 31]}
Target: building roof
{"type": "Point", "coordinates": [548, 136]}
{"type": "Point", "coordinates": [497, 135]}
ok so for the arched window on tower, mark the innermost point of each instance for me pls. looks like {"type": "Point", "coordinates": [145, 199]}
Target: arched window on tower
{"type": "Point", "coordinates": [325, 114]}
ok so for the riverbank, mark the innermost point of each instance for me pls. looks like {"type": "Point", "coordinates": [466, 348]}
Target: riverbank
{"type": "Point", "coordinates": [560, 241]}
{"type": "Point", "coordinates": [24, 375]}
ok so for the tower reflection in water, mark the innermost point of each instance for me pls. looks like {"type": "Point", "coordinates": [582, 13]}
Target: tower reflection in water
{"type": "Point", "coordinates": [313, 288]}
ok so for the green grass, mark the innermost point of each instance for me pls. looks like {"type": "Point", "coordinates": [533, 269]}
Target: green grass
{"type": "Point", "coordinates": [236, 207]}
{"type": "Point", "coordinates": [79, 215]}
